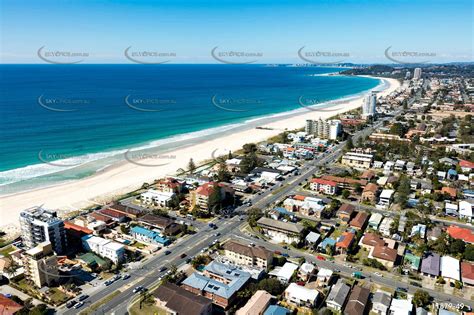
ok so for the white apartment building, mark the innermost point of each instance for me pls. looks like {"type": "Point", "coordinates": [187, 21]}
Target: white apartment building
{"type": "Point", "coordinates": [370, 102]}
{"type": "Point", "coordinates": [158, 198]}
{"type": "Point", "coordinates": [104, 248]}
{"type": "Point", "coordinates": [417, 74]}
{"type": "Point", "coordinates": [39, 225]}
{"type": "Point", "coordinates": [325, 129]}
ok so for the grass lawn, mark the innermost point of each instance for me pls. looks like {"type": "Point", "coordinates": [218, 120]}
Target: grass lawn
{"type": "Point", "coordinates": [146, 309]}
{"type": "Point", "coordinates": [57, 297]}
{"type": "Point", "coordinates": [361, 254]}
{"type": "Point", "coordinates": [139, 245]}
{"type": "Point", "coordinates": [7, 250]}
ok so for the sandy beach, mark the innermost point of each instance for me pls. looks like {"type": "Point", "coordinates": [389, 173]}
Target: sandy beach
{"type": "Point", "coordinates": [125, 177]}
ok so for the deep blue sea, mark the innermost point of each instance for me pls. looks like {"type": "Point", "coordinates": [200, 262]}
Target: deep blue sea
{"type": "Point", "coordinates": [64, 122]}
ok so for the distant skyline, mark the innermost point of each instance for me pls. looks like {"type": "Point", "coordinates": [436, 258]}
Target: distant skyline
{"type": "Point", "coordinates": [178, 31]}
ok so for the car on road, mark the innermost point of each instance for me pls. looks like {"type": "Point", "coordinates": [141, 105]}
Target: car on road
{"type": "Point", "coordinates": [83, 297]}
{"type": "Point", "coordinates": [138, 289]}
{"type": "Point", "coordinates": [285, 255]}
{"type": "Point", "coordinates": [126, 276]}
{"type": "Point", "coordinates": [108, 282]}
{"type": "Point", "coordinates": [188, 260]}
{"type": "Point", "coordinates": [78, 305]}
{"type": "Point", "coordinates": [163, 269]}
{"type": "Point", "coordinates": [70, 304]}
{"type": "Point", "coordinates": [117, 277]}
{"type": "Point", "coordinates": [402, 289]}
{"type": "Point", "coordinates": [416, 284]}
{"type": "Point", "coordinates": [378, 274]}
{"type": "Point", "coordinates": [167, 252]}
{"type": "Point", "coordinates": [183, 255]}
{"type": "Point", "coordinates": [319, 257]}
{"type": "Point", "coordinates": [277, 252]}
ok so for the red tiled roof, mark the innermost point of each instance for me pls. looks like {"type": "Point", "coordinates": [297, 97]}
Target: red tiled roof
{"type": "Point", "coordinates": [372, 239]}
{"type": "Point", "coordinates": [111, 213]}
{"type": "Point", "coordinates": [344, 180]}
{"type": "Point", "coordinates": [324, 182]}
{"type": "Point", "coordinates": [346, 208]}
{"type": "Point", "coordinates": [385, 253]}
{"type": "Point", "coordinates": [299, 197]}
{"type": "Point", "coordinates": [467, 164]}
{"type": "Point", "coordinates": [450, 191]}
{"type": "Point", "coordinates": [467, 270]}
{"type": "Point", "coordinates": [461, 233]}
{"type": "Point", "coordinates": [371, 187]}
{"type": "Point", "coordinates": [359, 220]}
{"type": "Point", "coordinates": [347, 240]}
{"type": "Point", "coordinates": [72, 226]}
{"type": "Point", "coordinates": [8, 306]}
{"type": "Point", "coordinates": [100, 217]}
{"type": "Point", "coordinates": [205, 189]}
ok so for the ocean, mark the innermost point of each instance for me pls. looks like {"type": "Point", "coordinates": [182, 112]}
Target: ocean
{"type": "Point", "coordinates": [66, 122]}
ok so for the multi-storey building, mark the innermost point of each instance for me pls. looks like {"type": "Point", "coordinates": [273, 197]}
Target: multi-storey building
{"type": "Point", "coordinates": [39, 225]}
{"type": "Point", "coordinates": [368, 108]}
{"type": "Point", "coordinates": [247, 255]}
{"type": "Point", "coordinates": [41, 265]}
{"type": "Point", "coordinates": [104, 248]}
{"type": "Point", "coordinates": [326, 129]}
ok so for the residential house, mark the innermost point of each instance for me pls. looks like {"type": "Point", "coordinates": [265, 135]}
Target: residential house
{"type": "Point", "coordinates": [312, 238]}
{"type": "Point", "coordinates": [257, 304]}
{"type": "Point", "coordinates": [467, 273]}
{"type": "Point", "coordinates": [338, 296]}
{"type": "Point", "coordinates": [374, 220]}
{"type": "Point", "coordinates": [305, 271]}
{"type": "Point", "coordinates": [430, 265]}
{"type": "Point", "coordinates": [450, 191]}
{"type": "Point", "coordinates": [412, 261]}
{"type": "Point", "coordinates": [385, 198]}
{"type": "Point", "coordinates": [279, 231]}
{"type": "Point", "coordinates": [255, 256]}
{"type": "Point", "coordinates": [466, 166]}
{"type": "Point", "coordinates": [166, 226]}
{"type": "Point", "coordinates": [144, 235]}
{"type": "Point", "coordinates": [176, 300]}
{"type": "Point", "coordinates": [370, 192]}
{"type": "Point", "coordinates": [450, 268]}
{"type": "Point", "coordinates": [385, 225]}
{"type": "Point", "coordinates": [381, 302]}
{"type": "Point", "coordinates": [327, 187]}
{"type": "Point", "coordinates": [385, 255]}
{"type": "Point", "coordinates": [285, 272]}
{"type": "Point", "coordinates": [218, 282]}
{"type": "Point", "coordinates": [344, 242]}
{"type": "Point", "coordinates": [401, 307]}
{"type": "Point", "coordinates": [346, 182]}
{"type": "Point", "coordinates": [276, 310]}
{"type": "Point", "coordinates": [300, 296]}
{"type": "Point", "coordinates": [323, 278]}
{"type": "Point", "coordinates": [357, 302]}
{"type": "Point", "coordinates": [345, 212]}
{"type": "Point", "coordinates": [465, 210]}
{"type": "Point", "coordinates": [460, 233]}
{"type": "Point", "coordinates": [359, 221]}
{"type": "Point", "coordinates": [327, 243]}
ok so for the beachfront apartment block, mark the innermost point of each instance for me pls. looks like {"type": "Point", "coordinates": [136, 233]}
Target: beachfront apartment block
{"type": "Point", "coordinates": [279, 231]}
{"type": "Point", "coordinates": [104, 248]}
{"type": "Point", "coordinates": [247, 255]}
{"type": "Point", "coordinates": [202, 194]}
{"type": "Point", "coordinates": [325, 129]}
{"type": "Point", "coordinates": [357, 160]}
{"type": "Point", "coordinates": [369, 106]}
{"type": "Point", "coordinates": [158, 198]}
{"type": "Point", "coordinates": [39, 225]}
{"type": "Point", "coordinates": [41, 265]}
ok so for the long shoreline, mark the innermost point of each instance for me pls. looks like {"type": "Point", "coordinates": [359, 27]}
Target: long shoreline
{"type": "Point", "coordinates": [123, 177]}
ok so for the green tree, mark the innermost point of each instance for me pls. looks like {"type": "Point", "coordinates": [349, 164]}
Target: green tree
{"type": "Point", "coordinates": [421, 298]}
{"type": "Point", "coordinates": [191, 166]}
{"type": "Point", "coordinates": [469, 252]}
{"type": "Point", "coordinates": [223, 174]}
{"type": "Point", "coordinates": [349, 143]}
{"type": "Point", "coordinates": [345, 194]}
{"type": "Point", "coordinates": [253, 215]}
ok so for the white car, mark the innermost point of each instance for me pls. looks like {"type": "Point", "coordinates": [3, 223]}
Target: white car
{"type": "Point", "coordinates": [378, 274]}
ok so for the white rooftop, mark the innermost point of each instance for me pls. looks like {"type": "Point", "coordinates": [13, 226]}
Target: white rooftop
{"type": "Point", "coordinates": [450, 268]}
{"type": "Point", "coordinates": [386, 193]}
{"type": "Point", "coordinates": [301, 293]}
{"type": "Point", "coordinates": [287, 271]}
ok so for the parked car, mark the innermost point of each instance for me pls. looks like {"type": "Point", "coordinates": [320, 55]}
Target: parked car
{"type": "Point", "coordinates": [319, 257]}
{"type": "Point", "coordinates": [70, 304]}
{"type": "Point", "coordinates": [83, 297]}
{"type": "Point", "coordinates": [167, 252]}
{"type": "Point", "coordinates": [163, 269]}
{"type": "Point", "coordinates": [183, 255]}
{"type": "Point", "coordinates": [126, 276]}
{"type": "Point", "coordinates": [78, 305]}
{"type": "Point", "coordinates": [378, 274]}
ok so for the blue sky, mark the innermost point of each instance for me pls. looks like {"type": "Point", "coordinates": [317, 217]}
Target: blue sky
{"type": "Point", "coordinates": [275, 30]}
